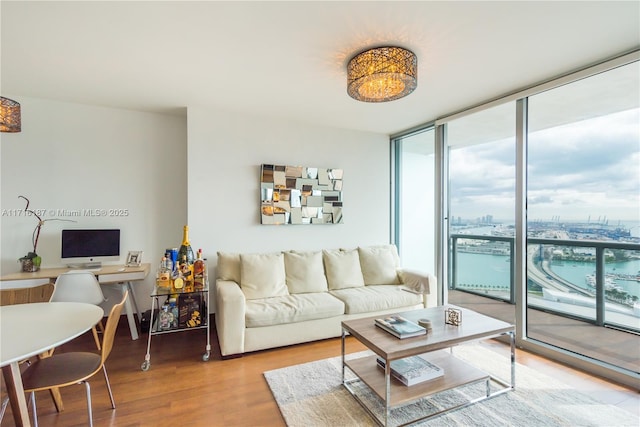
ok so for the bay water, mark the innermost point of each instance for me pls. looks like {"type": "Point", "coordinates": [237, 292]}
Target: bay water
{"type": "Point", "coordinates": [492, 271]}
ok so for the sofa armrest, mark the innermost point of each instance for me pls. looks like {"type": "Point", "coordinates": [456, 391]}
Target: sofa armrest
{"type": "Point", "coordinates": [230, 320]}
{"type": "Point", "coordinates": [412, 278]}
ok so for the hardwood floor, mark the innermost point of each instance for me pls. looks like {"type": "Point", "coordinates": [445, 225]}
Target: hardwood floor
{"type": "Point", "coordinates": [606, 344]}
{"type": "Point", "coordinates": [181, 389]}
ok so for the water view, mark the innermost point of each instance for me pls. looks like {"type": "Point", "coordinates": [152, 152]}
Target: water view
{"type": "Point", "coordinates": [483, 271]}
{"type": "Point", "coordinates": [560, 276]}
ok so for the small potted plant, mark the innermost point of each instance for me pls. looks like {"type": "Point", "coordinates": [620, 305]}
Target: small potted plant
{"type": "Point", "coordinates": [31, 261]}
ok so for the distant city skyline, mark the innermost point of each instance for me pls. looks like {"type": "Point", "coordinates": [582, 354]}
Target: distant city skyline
{"type": "Point", "coordinates": [496, 221]}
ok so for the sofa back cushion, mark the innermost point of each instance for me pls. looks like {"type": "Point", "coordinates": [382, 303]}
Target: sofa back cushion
{"type": "Point", "coordinates": [228, 266]}
{"type": "Point", "coordinates": [342, 268]}
{"type": "Point", "coordinates": [380, 264]}
{"type": "Point", "coordinates": [304, 272]}
{"type": "Point", "coordinates": [262, 275]}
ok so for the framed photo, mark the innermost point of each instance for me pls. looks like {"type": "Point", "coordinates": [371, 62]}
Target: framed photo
{"type": "Point", "coordinates": [134, 258]}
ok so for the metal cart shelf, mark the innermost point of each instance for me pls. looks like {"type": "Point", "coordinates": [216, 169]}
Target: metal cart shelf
{"type": "Point", "coordinates": [162, 294]}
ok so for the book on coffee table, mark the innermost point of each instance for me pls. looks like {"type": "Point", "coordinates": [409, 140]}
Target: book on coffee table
{"type": "Point", "coordinates": [413, 370]}
{"type": "Point", "coordinates": [400, 327]}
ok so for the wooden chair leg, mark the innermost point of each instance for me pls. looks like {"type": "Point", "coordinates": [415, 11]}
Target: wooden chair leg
{"type": "Point", "coordinates": [57, 398]}
{"type": "Point", "coordinates": [95, 337]}
{"type": "Point", "coordinates": [55, 392]}
{"type": "Point", "coordinates": [47, 353]}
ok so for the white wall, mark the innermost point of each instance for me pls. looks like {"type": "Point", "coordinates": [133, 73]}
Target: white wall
{"type": "Point", "coordinates": [74, 157]}
{"type": "Point", "coordinates": [224, 156]}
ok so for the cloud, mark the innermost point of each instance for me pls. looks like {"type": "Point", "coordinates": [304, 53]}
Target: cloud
{"type": "Point", "coordinates": [574, 170]}
{"type": "Point", "coordinates": [533, 200]}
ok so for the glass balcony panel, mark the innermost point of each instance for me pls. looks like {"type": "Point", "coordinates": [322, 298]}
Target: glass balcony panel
{"type": "Point", "coordinates": [622, 289]}
{"type": "Point", "coordinates": [561, 279]}
{"type": "Point", "coordinates": [483, 267]}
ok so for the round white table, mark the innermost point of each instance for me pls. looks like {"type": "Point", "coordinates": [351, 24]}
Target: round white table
{"type": "Point", "coordinates": [27, 330]}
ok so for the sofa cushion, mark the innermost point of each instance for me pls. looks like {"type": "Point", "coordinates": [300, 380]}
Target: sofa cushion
{"type": "Point", "coordinates": [291, 309]}
{"type": "Point", "coordinates": [304, 272]}
{"type": "Point", "coordinates": [342, 268]}
{"type": "Point", "coordinates": [228, 266]}
{"type": "Point", "coordinates": [379, 264]}
{"type": "Point", "coordinates": [262, 275]}
{"type": "Point", "coordinates": [374, 298]}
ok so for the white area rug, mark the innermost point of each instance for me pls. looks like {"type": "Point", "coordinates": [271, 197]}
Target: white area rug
{"type": "Point", "coordinates": [312, 394]}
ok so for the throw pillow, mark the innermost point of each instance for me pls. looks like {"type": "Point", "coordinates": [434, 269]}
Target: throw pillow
{"type": "Point", "coordinates": [262, 275]}
{"type": "Point", "coordinates": [228, 266]}
{"type": "Point", "coordinates": [343, 269]}
{"type": "Point", "coordinates": [380, 264]}
{"type": "Point", "coordinates": [305, 272]}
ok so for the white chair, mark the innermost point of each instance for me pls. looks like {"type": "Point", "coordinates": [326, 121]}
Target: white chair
{"type": "Point", "coordinates": [79, 286]}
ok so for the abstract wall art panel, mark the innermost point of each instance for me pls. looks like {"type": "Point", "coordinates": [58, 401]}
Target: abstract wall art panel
{"type": "Point", "coordinates": [300, 195]}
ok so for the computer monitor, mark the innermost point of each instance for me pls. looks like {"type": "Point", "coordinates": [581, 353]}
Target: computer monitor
{"type": "Point", "coordinates": [89, 248]}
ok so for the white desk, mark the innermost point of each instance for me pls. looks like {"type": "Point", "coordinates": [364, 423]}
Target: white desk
{"type": "Point", "coordinates": [27, 330]}
{"type": "Point", "coordinates": [116, 275]}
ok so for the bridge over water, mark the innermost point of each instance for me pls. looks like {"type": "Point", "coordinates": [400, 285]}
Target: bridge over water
{"type": "Point", "coordinates": [541, 274]}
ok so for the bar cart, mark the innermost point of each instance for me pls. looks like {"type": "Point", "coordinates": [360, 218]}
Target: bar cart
{"type": "Point", "coordinates": [178, 311]}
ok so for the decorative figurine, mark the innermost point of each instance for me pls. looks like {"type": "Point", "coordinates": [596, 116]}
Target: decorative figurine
{"type": "Point", "coordinates": [453, 316]}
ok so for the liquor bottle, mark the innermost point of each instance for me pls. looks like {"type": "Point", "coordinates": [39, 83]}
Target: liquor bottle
{"type": "Point", "coordinates": [168, 262]}
{"type": "Point", "coordinates": [185, 248]}
{"type": "Point", "coordinates": [164, 318]}
{"type": "Point", "coordinates": [172, 255]}
{"type": "Point", "coordinates": [187, 274]}
{"type": "Point", "coordinates": [163, 275]}
{"type": "Point", "coordinates": [173, 309]}
{"type": "Point", "coordinates": [177, 278]}
{"type": "Point", "coordinates": [199, 271]}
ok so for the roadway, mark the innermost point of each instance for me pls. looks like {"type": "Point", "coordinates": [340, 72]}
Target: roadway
{"type": "Point", "coordinates": [541, 274]}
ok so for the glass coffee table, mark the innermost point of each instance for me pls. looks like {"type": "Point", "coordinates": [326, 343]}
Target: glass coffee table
{"type": "Point", "coordinates": [457, 373]}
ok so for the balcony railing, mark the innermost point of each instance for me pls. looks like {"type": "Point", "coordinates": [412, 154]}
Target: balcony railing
{"type": "Point", "coordinates": [484, 265]}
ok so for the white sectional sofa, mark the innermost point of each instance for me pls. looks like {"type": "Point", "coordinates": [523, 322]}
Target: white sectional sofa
{"type": "Point", "coordinates": [275, 299]}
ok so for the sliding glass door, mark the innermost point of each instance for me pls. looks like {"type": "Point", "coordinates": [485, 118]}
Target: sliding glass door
{"type": "Point", "coordinates": [583, 215]}
{"type": "Point", "coordinates": [536, 207]}
{"type": "Point", "coordinates": [481, 153]}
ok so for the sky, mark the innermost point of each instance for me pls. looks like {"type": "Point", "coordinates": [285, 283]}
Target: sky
{"type": "Point", "coordinates": [580, 171]}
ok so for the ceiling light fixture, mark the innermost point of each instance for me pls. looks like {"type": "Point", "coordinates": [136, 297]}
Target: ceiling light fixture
{"type": "Point", "coordinates": [382, 74]}
{"type": "Point", "coordinates": [10, 120]}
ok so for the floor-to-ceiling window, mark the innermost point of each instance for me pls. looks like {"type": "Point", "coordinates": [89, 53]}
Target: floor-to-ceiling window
{"type": "Point", "coordinates": [415, 187]}
{"type": "Point", "coordinates": [583, 197]}
{"type": "Point", "coordinates": [550, 177]}
{"type": "Point", "coordinates": [481, 154]}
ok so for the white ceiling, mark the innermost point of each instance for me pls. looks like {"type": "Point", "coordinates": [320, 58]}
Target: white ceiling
{"type": "Point", "coordinates": [288, 59]}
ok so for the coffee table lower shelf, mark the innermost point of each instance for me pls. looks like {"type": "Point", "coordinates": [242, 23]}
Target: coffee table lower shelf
{"type": "Point", "coordinates": [456, 374]}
